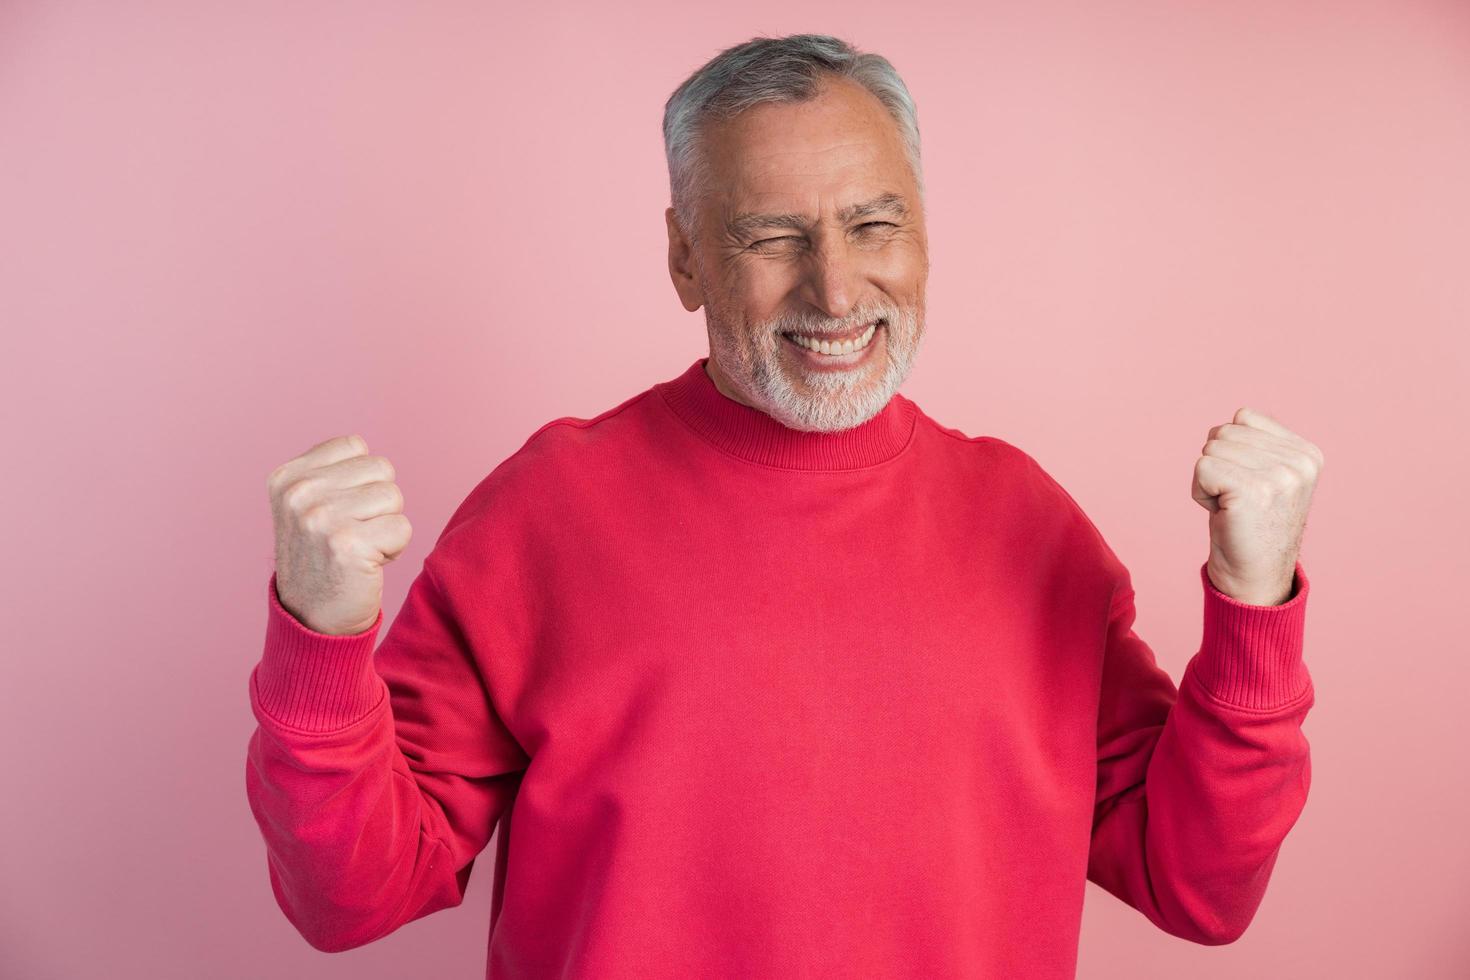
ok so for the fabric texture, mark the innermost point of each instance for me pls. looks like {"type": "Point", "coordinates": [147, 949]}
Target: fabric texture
{"type": "Point", "coordinates": [746, 701]}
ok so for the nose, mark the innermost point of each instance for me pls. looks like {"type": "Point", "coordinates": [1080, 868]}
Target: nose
{"type": "Point", "coordinates": [833, 280]}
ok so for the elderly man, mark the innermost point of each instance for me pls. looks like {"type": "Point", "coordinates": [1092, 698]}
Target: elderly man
{"type": "Point", "coordinates": [763, 672]}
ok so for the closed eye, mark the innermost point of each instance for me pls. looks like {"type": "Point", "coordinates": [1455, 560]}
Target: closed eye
{"type": "Point", "coordinates": [782, 238]}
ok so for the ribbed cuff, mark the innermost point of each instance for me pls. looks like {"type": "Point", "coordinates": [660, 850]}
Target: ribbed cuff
{"type": "Point", "coordinates": [1251, 656]}
{"type": "Point", "coordinates": [314, 682]}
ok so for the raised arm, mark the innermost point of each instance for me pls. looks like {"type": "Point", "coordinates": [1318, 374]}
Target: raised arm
{"type": "Point", "coordinates": [375, 778]}
{"type": "Point", "coordinates": [1197, 788]}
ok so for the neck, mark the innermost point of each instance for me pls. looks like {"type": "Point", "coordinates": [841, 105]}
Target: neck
{"type": "Point", "coordinates": [723, 385]}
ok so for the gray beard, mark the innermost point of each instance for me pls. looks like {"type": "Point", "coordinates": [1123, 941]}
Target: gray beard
{"type": "Point", "coordinates": [833, 400]}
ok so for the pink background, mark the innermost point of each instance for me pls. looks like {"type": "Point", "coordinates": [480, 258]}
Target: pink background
{"type": "Point", "coordinates": [228, 232]}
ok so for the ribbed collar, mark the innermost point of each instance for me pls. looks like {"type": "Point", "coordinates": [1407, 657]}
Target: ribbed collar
{"type": "Point", "coordinates": [753, 435]}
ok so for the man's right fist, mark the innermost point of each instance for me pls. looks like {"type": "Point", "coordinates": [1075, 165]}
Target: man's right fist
{"type": "Point", "coordinates": [339, 519]}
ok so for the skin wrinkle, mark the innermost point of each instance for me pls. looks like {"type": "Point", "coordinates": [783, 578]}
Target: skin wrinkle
{"type": "Point", "coordinates": [819, 170]}
{"type": "Point", "coordinates": [741, 225]}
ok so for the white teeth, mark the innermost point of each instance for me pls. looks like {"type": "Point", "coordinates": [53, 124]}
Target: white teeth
{"type": "Point", "coordinates": [844, 347]}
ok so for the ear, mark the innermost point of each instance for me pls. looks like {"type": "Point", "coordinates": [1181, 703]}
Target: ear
{"type": "Point", "coordinates": [681, 265]}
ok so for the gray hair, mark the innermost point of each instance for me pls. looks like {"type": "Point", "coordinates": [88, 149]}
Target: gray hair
{"type": "Point", "coordinates": [764, 69]}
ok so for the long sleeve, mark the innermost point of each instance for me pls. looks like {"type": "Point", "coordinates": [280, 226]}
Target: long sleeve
{"type": "Point", "coordinates": [1197, 788]}
{"type": "Point", "coordinates": [375, 779]}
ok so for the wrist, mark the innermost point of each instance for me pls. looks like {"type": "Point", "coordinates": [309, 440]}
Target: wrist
{"type": "Point", "coordinates": [1271, 592]}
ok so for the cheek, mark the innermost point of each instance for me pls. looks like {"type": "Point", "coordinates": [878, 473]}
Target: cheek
{"type": "Point", "coordinates": [762, 284]}
{"type": "Point", "coordinates": [902, 276]}
{"type": "Point", "coordinates": [905, 264]}
{"type": "Point", "coordinates": [757, 294]}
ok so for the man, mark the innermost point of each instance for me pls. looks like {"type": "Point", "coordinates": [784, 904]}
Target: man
{"type": "Point", "coordinates": [763, 672]}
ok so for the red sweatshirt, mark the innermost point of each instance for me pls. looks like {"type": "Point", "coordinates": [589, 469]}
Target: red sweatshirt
{"type": "Point", "coordinates": [759, 703]}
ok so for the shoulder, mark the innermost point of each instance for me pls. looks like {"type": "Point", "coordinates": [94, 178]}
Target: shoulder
{"type": "Point", "coordinates": [562, 452]}
{"type": "Point", "coordinates": [568, 441]}
{"type": "Point", "coordinates": [999, 458]}
{"type": "Point", "coordinates": [1038, 498]}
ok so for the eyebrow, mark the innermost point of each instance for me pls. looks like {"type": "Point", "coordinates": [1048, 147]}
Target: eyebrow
{"type": "Point", "coordinates": [744, 223]}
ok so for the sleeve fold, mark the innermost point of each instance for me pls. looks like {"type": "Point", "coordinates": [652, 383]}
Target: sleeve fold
{"type": "Point", "coordinates": [1198, 786]}
{"type": "Point", "coordinates": [375, 777]}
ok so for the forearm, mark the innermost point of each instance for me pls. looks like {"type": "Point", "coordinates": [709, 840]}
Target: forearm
{"type": "Point", "coordinates": [1191, 836]}
{"type": "Point", "coordinates": [352, 848]}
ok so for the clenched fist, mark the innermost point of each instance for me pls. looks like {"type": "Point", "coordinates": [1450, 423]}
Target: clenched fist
{"type": "Point", "coordinates": [1256, 478]}
{"type": "Point", "coordinates": [339, 519]}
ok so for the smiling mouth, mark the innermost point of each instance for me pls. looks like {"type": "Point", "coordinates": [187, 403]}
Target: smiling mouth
{"type": "Point", "coordinates": [834, 345]}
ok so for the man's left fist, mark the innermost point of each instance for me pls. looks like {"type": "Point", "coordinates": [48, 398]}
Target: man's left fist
{"type": "Point", "coordinates": [1256, 478]}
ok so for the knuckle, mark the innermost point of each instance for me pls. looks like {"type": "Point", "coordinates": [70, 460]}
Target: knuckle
{"type": "Point", "coordinates": [316, 518]}
{"type": "Point", "coordinates": [340, 541]}
{"type": "Point", "coordinates": [299, 495]}
{"type": "Point", "coordinates": [1287, 477]}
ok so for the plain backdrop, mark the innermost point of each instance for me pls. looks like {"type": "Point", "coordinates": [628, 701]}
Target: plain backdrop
{"type": "Point", "coordinates": [229, 231]}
